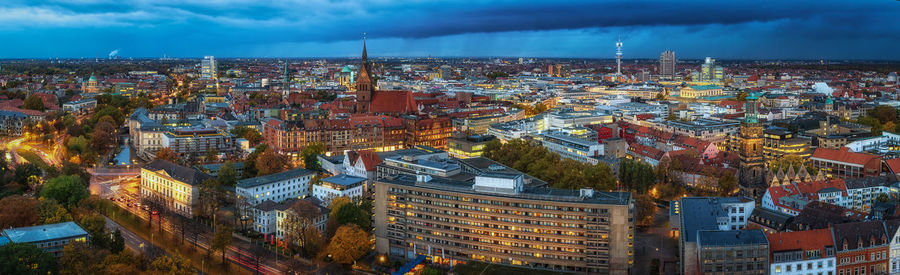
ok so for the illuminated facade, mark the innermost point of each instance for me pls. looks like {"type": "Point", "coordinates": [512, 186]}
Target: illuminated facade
{"type": "Point", "coordinates": [752, 164]}
{"type": "Point", "coordinates": [276, 187]}
{"type": "Point", "coordinates": [494, 219]}
{"type": "Point", "coordinates": [174, 186]}
{"type": "Point", "coordinates": [198, 141]}
{"type": "Point", "coordinates": [377, 133]}
{"type": "Point", "coordinates": [427, 131]}
{"type": "Point", "coordinates": [461, 146]}
{"type": "Point", "coordinates": [779, 143]}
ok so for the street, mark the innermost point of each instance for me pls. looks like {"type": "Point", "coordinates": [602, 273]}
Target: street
{"type": "Point", "coordinates": [132, 241]}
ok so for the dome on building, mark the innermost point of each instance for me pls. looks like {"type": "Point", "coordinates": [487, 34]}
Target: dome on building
{"type": "Point", "coordinates": [346, 69]}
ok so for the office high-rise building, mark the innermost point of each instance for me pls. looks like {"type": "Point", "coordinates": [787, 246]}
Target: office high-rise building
{"type": "Point", "coordinates": [208, 68]}
{"type": "Point", "coordinates": [495, 218]}
{"type": "Point", "coordinates": [710, 71]}
{"type": "Point", "coordinates": [667, 64]}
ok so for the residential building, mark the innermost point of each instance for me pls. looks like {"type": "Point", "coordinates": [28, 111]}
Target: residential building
{"type": "Point", "coordinates": [494, 218]}
{"type": "Point", "coordinates": [174, 186]}
{"type": "Point", "coordinates": [276, 187]}
{"type": "Point", "coordinates": [861, 248]}
{"type": "Point", "coordinates": [274, 218]}
{"type": "Point", "coordinates": [49, 237]}
{"type": "Point", "coordinates": [188, 141]}
{"type": "Point", "coordinates": [342, 185]}
{"type": "Point", "coordinates": [863, 192]}
{"type": "Point", "coordinates": [892, 228]}
{"type": "Point", "coordinates": [732, 252]}
{"type": "Point", "coordinates": [802, 252]}
{"type": "Point", "coordinates": [11, 123]}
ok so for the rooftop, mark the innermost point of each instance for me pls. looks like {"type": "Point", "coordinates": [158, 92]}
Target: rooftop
{"type": "Point", "coordinates": [344, 180]}
{"type": "Point", "coordinates": [181, 173]}
{"type": "Point", "coordinates": [731, 237]}
{"type": "Point", "coordinates": [289, 174]}
{"type": "Point", "coordinates": [44, 232]}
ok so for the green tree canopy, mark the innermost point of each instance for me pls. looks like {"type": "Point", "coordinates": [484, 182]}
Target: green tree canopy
{"type": "Point", "coordinates": [26, 258]}
{"type": "Point", "coordinates": [68, 190]}
{"type": "Point", "coordinates": [34, 102]}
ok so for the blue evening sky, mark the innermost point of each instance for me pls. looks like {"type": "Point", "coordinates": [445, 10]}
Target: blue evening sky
{"type": "Point", "coordinates": [758, 29]}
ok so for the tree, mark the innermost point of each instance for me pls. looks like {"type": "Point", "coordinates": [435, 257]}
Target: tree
{"type": "Point", "coordinates": [25, 258]}
{"type": "Point", "coordinates": [222, 240]}
{"type": "Point", "coordinates": [18, 211]}
{"type": "Point", "coordinates": [271, 162]}
{"type": "Point", "coordinates": [310, 155]}
{"type": "Point", "coordinates": [25, 171]}
{"type": "Point", "coordinates": [883, 198]}
{"type": "Point", "coordinates": [244, 213]}
{"type": "Point", "coordinates": [117, 243]}
{"type": "Point", "coordinates": [300, 232]}
{"type": "Point", "coordinates": [211, 200]}
{"type": "Point", "coordinates": [645, 209]}
{"type": "Point", "coordinates": [636, 176]}
{"type": "Point", "coordinates": [104, 136]}
{"type": "Point", "coordinates": [211, 156]}
{"type": "Point", "coordinates": [52, 212]}
{"type": "Point", "coordinates": [120, 263]}
{"type": "Point", "coordinates": [348, 244]}
{"type": "Point", "coordinates": [34, 102]}
{"type": "Point", "coordinates": [172, 265]}
{"type": "Point", "coordinates": [68, 190]}
{"type": "Point", "coordinates": [228, 175]}
{"type": "Point", "coordinates": [80, 258]}
{"type": "Point", "coordinates": [167, 154]}
{"type": "Point", "coordinates": [726, 184]}
{"type": "Point", "coordinates": [95, 225]}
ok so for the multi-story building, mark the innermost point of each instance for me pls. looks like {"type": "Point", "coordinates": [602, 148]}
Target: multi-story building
{"type": "Point", "coordinates": [892, 229]}
{"type": "Point", "coordinates": [342, 185]}
{"type": "Point", "coordinates": [49, 237]}
{"type": "Point", "coordinates": [802, 252]}
{"type": "Point", "coordinates": [188, 141]}
{"type": "Point", "coordinates": [841, 163]}
{"type": "Point", "coordinates": [707, 214]}
{"type": "Point", "coordinates": [495, 219]}
{"type": "Point", "coordinates": [779, 143]}
{"type": "Point", "coordinates": [173, 186]}
{"type": "Point", "coordinates": [275, 218]}
{"type": "Point", "coordinates": [701, 91]}
{"type": "Point", "coordinates": [427, 131]}
{"type": "Point", "coordinates": [572, 147]}
{"type": "Point", "coordinates": [80, 106]}
{"type": "Point", "coordinates": [377, 133]}
{"type": "Point", "coordinates": [863, 192]}
{"type": "Point", "coordinates": [667, 65]}
{"type": "Point", "coordinates": [145, 133]}
{"type": "Point", "coordinates": [429, 161]}
{"type": "Point", "coordinates": [275, 187]}
{"type": "Point", "coordinates": [208, 68]}
{"type": "Point", "coordinates": [721, 132]}
{"type": "Point", "coordinates": [460, 145]}
{"type": "Point", "coordinates": [11, 123]}
{"type": "Point", "coordinates": [732, 252]}
{"type": "Point", "coordinates": [861, 248]}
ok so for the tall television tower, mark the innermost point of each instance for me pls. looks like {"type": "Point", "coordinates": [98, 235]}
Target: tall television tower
{"type": "Point", "coordinates": [619, 58]}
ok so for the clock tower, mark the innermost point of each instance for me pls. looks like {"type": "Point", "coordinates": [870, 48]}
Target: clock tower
{"type": "Point", "coordinates": [752, 167]}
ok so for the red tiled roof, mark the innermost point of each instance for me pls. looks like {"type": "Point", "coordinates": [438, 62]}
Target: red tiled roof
{"type": "Point", "coordinates": [893, 164]}
{"type": "Point", "coordinates": [807, 240]}
{"type": "Point", "coordinates": [393, 102]}
{"type": "Point", "coordinates": [844, 155]}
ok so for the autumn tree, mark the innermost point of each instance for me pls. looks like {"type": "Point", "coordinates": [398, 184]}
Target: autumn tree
{"type": "Point", "coordinates": [26, 258]}
{"type": "Point", "coordinates": [172, 265]}
{"type": "Point", "coordinates": [348, 244]}
{"type": "Point", "coordinates": [300, 232]}
{"type": "Point", "coordinates": [34, 102]}
{"type": "Point", "coordinates": [104, 136]}
{"type": "Point", "coordinates": [645, 209]}
{"type": "Point", "coordinates": [271, 162]}
{"type": "Point", "coordinates": [52, 212]}
{"type": "Point", "coordinates": [80, 258]}
{"type": "Point", "coordinates": [167, 154]}
{"type": "Point", "coordinates": [228, 174]}
{"type": "Point", "coordinates": [18, 211]}
{"type": "Point", "coordinates": [222, 240]}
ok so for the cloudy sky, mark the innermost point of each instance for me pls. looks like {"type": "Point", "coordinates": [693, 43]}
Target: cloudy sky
{"type": "Point", "coordinates": [758, 29]}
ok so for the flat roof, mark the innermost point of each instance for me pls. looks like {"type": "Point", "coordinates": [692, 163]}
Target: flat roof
{"type": "Point", "coordinates": [731, 237]}
{"type": "Point", "coordinates": [344, 180]}
{"type": "Point", "coordinates": [44, 232]}
{"type": "Point", "coordinates": [289, 174]}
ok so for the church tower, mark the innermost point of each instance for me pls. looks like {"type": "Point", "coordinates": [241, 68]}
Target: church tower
{"type": "Point", "coordinates": [752, 166]}
{"type": "Point", "coordinates": [365, 85]}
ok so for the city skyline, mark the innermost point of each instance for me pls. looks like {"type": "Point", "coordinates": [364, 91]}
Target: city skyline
{"type": "Point", "coordinates": [580, 29]}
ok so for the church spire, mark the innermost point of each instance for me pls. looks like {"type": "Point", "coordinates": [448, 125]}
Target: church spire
{"type": "Point", "coordinates": [365, 56]}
